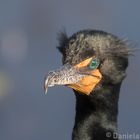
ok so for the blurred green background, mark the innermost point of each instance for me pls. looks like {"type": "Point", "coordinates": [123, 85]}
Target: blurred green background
{"type": "Point", "coordinates": [28, 40]}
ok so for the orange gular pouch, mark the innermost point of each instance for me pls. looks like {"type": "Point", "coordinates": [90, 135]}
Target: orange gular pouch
{"type": "Point", "coordinates": [88, 82]}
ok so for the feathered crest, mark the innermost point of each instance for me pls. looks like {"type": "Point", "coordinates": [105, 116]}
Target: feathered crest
{"type": "Point", "coordinates": [124, 48]}
{"type": "Point", "coordinates": [63, 39]}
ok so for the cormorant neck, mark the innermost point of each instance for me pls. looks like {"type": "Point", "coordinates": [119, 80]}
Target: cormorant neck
{"type": "Point", "coordinates": [96, 114]}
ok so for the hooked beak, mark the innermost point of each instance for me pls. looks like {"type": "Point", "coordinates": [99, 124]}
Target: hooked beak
{"type": "Point", "coordinates": [66, 75]}
{"type": "Point", "coordinates": [72, 76]}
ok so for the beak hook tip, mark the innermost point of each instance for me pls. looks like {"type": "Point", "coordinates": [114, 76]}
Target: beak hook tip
{"type": "Point", "coordinates": [46, 90]}
{"type": "Point", "coordinates": [46, 85]}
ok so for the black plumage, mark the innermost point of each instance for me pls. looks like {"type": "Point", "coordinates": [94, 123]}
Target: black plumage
{"type": "Point", "coordinates": [96, 114]}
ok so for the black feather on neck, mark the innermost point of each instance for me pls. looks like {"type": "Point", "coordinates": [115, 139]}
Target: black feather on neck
{"type": "Point", "coordinates": [96, 115]}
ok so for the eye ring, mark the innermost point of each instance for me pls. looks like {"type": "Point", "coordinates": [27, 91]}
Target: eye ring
{"type": "Point", "coordinates": [94, 64]}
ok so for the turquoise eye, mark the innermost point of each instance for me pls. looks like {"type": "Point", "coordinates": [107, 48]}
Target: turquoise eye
{"type": "Point", "coordinates": [94, 64]}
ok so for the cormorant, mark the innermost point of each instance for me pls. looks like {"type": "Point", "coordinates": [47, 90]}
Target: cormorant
{"type": "Point", "coordinates": [94, 66]}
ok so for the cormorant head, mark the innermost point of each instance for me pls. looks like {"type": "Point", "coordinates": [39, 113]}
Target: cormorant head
{"type": "Point", "coordinates": [91, 59]}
